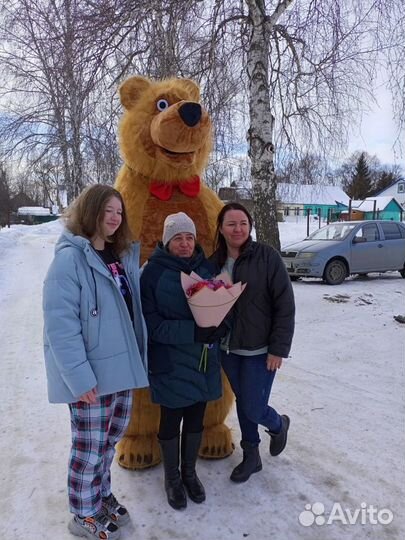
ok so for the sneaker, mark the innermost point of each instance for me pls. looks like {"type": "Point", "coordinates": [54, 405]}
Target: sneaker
{"type": "Point", "coordinates": [116, 512]}
{"type": "Point", "coordinates": [99, 526]}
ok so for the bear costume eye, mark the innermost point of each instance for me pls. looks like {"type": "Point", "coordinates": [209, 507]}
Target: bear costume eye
{"type": "Point", "coordinates": [162, 104]}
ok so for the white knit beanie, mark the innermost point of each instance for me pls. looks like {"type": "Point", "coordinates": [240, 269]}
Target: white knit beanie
{"type": "Point", "coordinates": [175, 224]}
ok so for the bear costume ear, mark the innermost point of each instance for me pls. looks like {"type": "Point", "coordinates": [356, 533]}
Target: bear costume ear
{"type": "Point", "coordinates": [132, 89]}
{"type": "Point", "coordinates": [191, 87]}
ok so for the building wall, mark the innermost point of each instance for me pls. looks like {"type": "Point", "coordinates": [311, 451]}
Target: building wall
{"type": "Point", "coordinates": [324, 208]}
{"type": "Point", "coordinates": [356, 215]}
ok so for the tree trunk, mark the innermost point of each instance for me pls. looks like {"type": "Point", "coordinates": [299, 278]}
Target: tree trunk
{"type": "Point", "coordinates": [260, 134]}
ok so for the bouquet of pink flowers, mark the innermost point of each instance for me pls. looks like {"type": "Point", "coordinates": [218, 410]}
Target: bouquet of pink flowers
{"type": "Point", "coordinates": [213, 284]}
{"type": "Point", "coordinates": [210, 299]}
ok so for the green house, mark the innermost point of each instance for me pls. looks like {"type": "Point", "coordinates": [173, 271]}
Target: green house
{"type": "Point", "coordinates": [387, 208]}
{"type": "Point", "coordinates": [331, 210]}
{"type": "Point", "coordinates": [297, 199]}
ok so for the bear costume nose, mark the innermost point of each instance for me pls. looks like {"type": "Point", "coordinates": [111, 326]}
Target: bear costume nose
{"type": "Point", "coordinates": [190, 113]}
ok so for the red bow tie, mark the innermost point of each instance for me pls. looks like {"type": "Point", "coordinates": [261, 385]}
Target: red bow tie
{"type": "Point", "coordinates": [164, 190]}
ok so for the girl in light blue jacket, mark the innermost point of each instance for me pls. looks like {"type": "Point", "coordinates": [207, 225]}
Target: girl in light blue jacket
{"type": "Point", "coordinates": [95, 349]}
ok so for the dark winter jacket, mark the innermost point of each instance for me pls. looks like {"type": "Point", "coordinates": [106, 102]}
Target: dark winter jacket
{"type": "Point", "coordinates": [175, 377]}
{"type": "Point", "coordinates": [263, 316]}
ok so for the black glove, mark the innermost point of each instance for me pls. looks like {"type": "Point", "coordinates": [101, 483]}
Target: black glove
{"type": "Point", "coordinates": [211, 334]}
{"type": "Point", "coordinates": [221, 331]}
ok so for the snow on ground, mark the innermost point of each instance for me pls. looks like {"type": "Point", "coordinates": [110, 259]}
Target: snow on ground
{"type": "Point", "coordinates": [342, 387]}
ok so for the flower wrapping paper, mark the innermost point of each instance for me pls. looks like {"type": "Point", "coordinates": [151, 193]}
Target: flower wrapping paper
{"type": "Point", "coordinates": [210, 307]}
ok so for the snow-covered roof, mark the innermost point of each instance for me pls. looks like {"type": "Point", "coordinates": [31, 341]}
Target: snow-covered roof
{"type": "Point", "coordinates": [311, 194]}
{"type": "Point", "coordinates": [33, 211]}
{"type": "Point", "coordinates": [368, 204]}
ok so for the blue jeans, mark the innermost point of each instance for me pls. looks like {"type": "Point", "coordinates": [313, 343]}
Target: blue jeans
{"type": "Point", "coordinates": [251, 383]}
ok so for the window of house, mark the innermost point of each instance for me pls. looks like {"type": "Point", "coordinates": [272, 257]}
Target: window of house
{"type": "Point", "coordinates": [391, 231]}
{"type": "Point", "coordinates": [401, 187]}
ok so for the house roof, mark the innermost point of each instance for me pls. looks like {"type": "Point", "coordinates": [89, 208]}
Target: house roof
{"type": "Point", "coordinates": [33, 211]}
{"type": "Point", "coordinates": [399, 180]}
{"type": "Point", "coordinates": [368, 204]}
{"type": "Point", "coordinates": [311, 194]}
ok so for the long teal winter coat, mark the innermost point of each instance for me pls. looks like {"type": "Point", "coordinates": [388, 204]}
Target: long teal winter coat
{"type": "Point", "coordinates": [89, 338]}
{"type": "Point", "coordinates": [176, 379]}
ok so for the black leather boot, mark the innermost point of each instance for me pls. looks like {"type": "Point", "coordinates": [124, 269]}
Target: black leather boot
{"type": "Point", "coordinates": [251, 463]}
{"type": "Point", "coordinates": [190, 444]}
{"type": "Point", "coordinates": [176, 496]}
{"type": "Point", "coordinates": [279, 440]}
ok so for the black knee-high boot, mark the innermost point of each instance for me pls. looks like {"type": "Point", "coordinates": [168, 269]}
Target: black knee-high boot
{"type": "Point", "coordinates": [176, 496]}
{"type": "Point", "coordinates": [190, 443]}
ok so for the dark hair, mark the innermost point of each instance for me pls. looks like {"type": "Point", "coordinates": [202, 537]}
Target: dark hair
{"type": "Point", "coordinates": [220, 247]}
{"type": "Point", "coordinates": [85, 214]}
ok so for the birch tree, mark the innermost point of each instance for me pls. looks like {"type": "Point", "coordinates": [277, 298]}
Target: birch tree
{"type": "Point", "coordinates": [260, 134]}
{"type": "Point", "coordinates": [394, 32]}
{"type": "Point", "coordinates": [309, 71]}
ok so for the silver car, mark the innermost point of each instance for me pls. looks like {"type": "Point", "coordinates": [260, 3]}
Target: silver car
{"type": "Point", "coordinates": [352, 247]}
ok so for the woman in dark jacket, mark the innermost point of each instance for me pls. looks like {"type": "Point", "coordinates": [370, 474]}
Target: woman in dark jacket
{"type": "Point", "coordinates": [177, 379]}
{"type": "Point", "coordinates": [261, 334]}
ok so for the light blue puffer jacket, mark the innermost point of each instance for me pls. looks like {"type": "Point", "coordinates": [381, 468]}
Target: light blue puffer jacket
{"type": "Point", "coordinates": [89, 339]}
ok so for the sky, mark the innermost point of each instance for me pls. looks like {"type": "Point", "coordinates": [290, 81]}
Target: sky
{"type": "Point", "coordinates": [342, 387]}
{"type": "Point", "coordinates": [377, 133]}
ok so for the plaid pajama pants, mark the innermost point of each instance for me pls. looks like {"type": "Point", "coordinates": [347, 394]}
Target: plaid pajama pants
{"type": "Point", "coordinates": [95, 431]}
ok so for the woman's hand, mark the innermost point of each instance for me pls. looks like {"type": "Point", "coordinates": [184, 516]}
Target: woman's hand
{"type": "Point", "coordinates": [210, 334]}
{"type": "Point", "coordinates": [89, 397]}
{"type": "Point", "coordinates": [274, 362]}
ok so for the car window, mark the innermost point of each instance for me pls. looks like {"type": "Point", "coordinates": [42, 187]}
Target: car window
{"type": "Point", "coordinates": [336, 231]}
{"type": "Point", "coordinates": [369, 232]}
{"type": "Point", "coordinates": [391, 231]}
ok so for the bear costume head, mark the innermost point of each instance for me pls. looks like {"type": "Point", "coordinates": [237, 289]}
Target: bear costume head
{"type": "Point", "coordinates": [165, 134]}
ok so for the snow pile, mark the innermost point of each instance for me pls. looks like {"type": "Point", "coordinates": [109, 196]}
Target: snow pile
{"type": "Point", "coordinates": [342, 388]}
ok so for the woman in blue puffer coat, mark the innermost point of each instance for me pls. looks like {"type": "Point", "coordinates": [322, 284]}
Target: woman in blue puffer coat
{"type": "Point", "coordinates": [178, 381]}
{"type": "Point", "coordinates": [95, 349]}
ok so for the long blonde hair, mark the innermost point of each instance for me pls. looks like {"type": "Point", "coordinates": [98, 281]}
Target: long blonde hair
{"type": "Point", "coordinates": [85, 214]}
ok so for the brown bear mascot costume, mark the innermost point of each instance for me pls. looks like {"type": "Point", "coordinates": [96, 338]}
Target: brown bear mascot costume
{"type": "Point", "coordinates": [165, 141]}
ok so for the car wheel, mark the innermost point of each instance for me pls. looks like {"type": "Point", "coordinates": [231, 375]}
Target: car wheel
{"type": "Point", "coordinates": [335, 272]}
